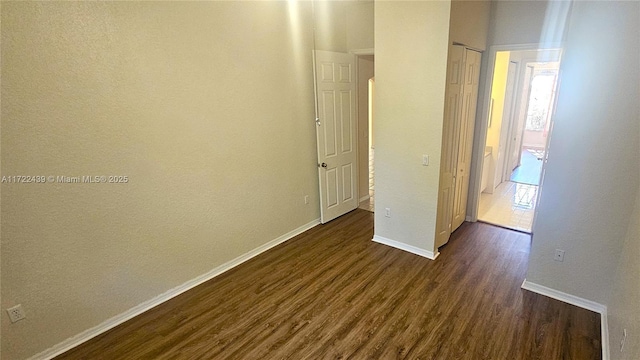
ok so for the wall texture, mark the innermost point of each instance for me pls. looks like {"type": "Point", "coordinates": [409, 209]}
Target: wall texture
{"type": "Point", "coordinates": [591, 176]}
{"type": "Point", "coordinates": [411, 59]}
{"type": "Point", "coordinates": [206, 107]}
{"type": "Point", "coordinates": [469, 24]}
{"type": "Point", "coordinates": [343, 25]}
{"type": "Point", "coordinates": [517, 22]}
{"type": "Point", "coordinates": [624, 303]}
{"type": "Point", "coordinates": [330, 23]}
{"type": "Point", "coordinates": [359, 16]}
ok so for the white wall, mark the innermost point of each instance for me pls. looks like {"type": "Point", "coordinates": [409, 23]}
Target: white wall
{"type": "Point", "coordinates": [517, 22]}
{"type": "Point", "coordinates": [624, 303]}
{"type": "Point", "coordinates": [359, 18]}
{"type": "Point", "coordinates": [330, 22]}
{"type": "Point", "coordinates": [618, 48]}
{"type": "Point", "coordinates": [591, 177]}
{"type": "Point", "coordinates": [343, 25]}
{"type": "Point", "coordinates": [411, 58]}
{"type": "Point", "coordinates": [206, 107]}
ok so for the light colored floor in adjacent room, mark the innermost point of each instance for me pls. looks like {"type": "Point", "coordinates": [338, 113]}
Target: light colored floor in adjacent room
{"type": "Point", "coordinates": [530, 167]}
{"type": "Point", "coordinates": [511, 205]}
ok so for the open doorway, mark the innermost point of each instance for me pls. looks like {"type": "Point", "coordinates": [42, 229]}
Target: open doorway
{"type": "Point", "coordinates": [366, 146]}
{"type": "Point", "coordinates": [528, 141]}
{"type": "Point", "coordinates": [522, 100]}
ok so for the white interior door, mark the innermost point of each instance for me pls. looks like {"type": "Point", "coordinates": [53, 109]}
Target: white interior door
{"type": "Point", "coordinates": [450, 134]}
{"type": "Point", "coordinates": [465, 135]}
{"type": "Point", "coordinates": [336, 133]}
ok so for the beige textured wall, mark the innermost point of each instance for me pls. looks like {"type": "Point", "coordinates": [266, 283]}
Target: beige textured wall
{"type": "Point", "coordinates": [411, 59]}
{"type": "Point", "coordinates": [343, 25]}
{"type": "Point", "coordinates": [365, 72]}
{"type": "Point", "coordinates": [469, 24]}
{"type": "Point", "coordinates": [330, 22]}
{"type": "Point", "coordinates": [359, 18]}
{"type": "Point", "coordinates": [206, 107]}
{"type": "Point", "coordinates": [517, 22]}
{"type": "Point", "coordinates": [591, 179]}
{"type": "Point", "coordinates": [624, 304]}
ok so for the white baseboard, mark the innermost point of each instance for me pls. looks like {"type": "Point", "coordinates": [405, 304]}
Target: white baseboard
{"type": "Point", "coordinates": [562, 296]}
{"type": "Point", "coordinates": [139, 309]}
{"type": "Point", "coordinates": [579, 302]}
{"type": "Point", "coordinates": [365, 198]}
{"type": "Point", "coordinates": [408, 248]}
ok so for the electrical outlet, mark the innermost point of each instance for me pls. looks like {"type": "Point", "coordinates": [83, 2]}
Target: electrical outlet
{"type": "Point", "coordinates": [624, 338]}
{"type": "Point", "coordinates": [16, 313]}
{"type": "Point", "coordinates": [306, 199]}
{"type": "Point", "coordinates": [387, 212]}
{"type": "Point", "coordinates": [559, 256]}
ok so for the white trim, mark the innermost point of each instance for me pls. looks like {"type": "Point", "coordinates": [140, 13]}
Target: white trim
{"type": "Point", "coordinates": [369, 51]}
{"type": "Point", "coordinates": [365, 198]}
{"type": "Point", "coordinates": [139, 309]}
{"type": "Point", "coordinates": [604, 329]}
{"type": "Point", "coordinates": [562, 296]}
{"type": "Point", "coordinates": [579, 302]}
{"type": "Point", "coordinates": [526, 46]}
{"type": "Point", "coordinates": [408, 248]}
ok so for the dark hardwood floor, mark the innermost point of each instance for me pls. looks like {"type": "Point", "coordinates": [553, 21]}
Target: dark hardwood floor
{"type": "Point", "coordinates": [332, 293]}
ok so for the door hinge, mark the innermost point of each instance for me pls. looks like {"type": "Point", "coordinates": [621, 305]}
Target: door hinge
{"type": "Point", "coordinates": [318, 121]}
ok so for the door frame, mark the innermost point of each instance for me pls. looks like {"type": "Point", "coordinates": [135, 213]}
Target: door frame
{"type": "Point", "coordinates": [482, 119]}
{"type": "Point", "coordinates": [357, 53]}
{"type": "Point", "coordinates": [522, 96]}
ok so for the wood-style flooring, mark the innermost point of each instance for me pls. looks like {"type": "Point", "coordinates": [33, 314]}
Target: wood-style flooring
{"type": "Point", "coordinates": [332, 293]}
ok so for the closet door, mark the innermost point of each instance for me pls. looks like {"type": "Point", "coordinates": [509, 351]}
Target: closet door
{"type": "Point", "coordinates": [450, 135]}
{"type": "Point", "coordinates": [466, 122]}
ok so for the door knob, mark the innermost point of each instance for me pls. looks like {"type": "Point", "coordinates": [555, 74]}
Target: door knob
{"type": "Point", "coordinates": [324, 165]}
